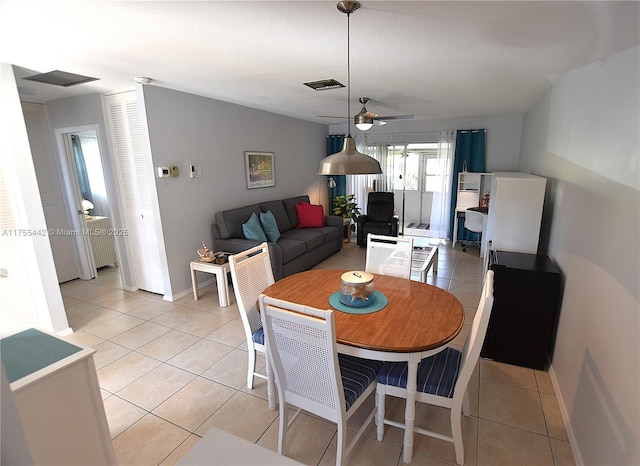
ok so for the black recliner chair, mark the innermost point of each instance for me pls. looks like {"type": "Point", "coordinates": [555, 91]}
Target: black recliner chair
{"type": "Point", "coordinates": [379, 218]}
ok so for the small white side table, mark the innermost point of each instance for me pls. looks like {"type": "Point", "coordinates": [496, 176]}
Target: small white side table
{"type": "Point", "coordinates": [220, 271]}
{"type": "Point", "coordinates": [422, 259]}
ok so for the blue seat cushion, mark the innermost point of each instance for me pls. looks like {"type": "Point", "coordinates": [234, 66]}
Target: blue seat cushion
{"type": "Point", "coordinates": [357, 375]}
{"type": "Point", "coordinates": [258, 336]}
{"type": "Point", "coordinates": [437, 374]}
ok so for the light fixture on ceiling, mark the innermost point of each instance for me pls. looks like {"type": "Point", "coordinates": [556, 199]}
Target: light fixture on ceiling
{"type": "Point", "coordinates": [142, 80]}
{"type": "Point", "coordinates": [349, 161]}
{"type": "Point", "coordinates": [364, 118]}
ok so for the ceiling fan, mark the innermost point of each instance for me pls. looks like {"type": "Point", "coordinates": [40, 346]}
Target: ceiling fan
{"type": "Point", "coordinates": [365, 119]}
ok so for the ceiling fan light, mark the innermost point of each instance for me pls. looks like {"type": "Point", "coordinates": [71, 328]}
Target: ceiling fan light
{"type": "Point", "coordinates": [364, 126]}
{"type": "Point", "coordinates": [362, 122]}
{"type": "Point", "coordinates": [349, 162]}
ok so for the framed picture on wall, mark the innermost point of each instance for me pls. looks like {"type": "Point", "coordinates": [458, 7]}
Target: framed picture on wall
{"type": "Point", "coordinates": [260, 169]}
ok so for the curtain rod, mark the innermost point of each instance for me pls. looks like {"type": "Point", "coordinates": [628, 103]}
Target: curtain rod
{"type": "Point", "coordinates": [428, 136]}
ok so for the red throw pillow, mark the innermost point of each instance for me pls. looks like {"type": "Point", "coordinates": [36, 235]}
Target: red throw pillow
{"type": "Point", "coordinates": [309, 215]}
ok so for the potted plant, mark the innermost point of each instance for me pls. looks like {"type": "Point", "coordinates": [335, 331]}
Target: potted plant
{"type": "Point", "coordinates": [346, 207]}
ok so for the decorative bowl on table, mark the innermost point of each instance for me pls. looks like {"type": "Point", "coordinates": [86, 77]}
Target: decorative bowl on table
{"type": "Point", "coordinates": [356, 289]}
{"type": "Point", "coordinates": [205, 256]}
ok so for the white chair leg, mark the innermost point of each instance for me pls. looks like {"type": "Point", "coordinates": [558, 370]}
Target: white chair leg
{"type": "Point", "coordinates": [283, 426]}
{"type": "Point", "coordinates": [271, 387]}
{"type": "Point", "coordinates": [251, 367]}
{"type": "Point", "coordinates": [340, 443]}
{"type": "Point", "coordinates": [465, 404]}
{"type": "Point", "coordinates": [456, 433]}
{"type": "Point", "coordinates": [380, 401]}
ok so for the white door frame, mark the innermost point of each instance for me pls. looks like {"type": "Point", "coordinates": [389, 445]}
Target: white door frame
{"type": "Point", "coordinates": [73, 198]}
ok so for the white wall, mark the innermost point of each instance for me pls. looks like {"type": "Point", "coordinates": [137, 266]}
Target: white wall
{"type": "Point", "coordinates": [29, 293]}
{"type": "Point", "coordinates": [503, 135]}
{"type": "Point", "coordinates": [583, 136]}
{"type": "Point", "coordinates": [187, 129]}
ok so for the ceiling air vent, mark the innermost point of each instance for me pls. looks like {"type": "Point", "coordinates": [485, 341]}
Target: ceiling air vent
{"type": "Point", "coordinates": [61, 78]}
{"type": "Point", "coordinates": [324, 84]}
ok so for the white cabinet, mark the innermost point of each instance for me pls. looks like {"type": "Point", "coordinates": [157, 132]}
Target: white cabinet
{"type": "Point", "coordinates": [515, 211]}
{"type": "Point", "coordinates": [469, 185]}
{"type": "Point", "coordinates": [101, 237]}
{"type": "Point", "coordinates": [55, 388]}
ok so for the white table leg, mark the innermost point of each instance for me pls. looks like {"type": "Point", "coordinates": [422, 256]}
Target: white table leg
{"type": "Point", "coordinates": [194, 284]}
{"type": "Point", "coordinates": [410, 408]}
{"type": "Point", "coordinates": [435, 260]}
{"type": "Point", "coordinates": [223, 289]}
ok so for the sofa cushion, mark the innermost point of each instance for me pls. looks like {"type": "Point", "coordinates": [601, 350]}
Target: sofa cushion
{"type": "Point", "coordinates": [230, 221]}
{"type": "Point", "coordinates": [270, 226]}
{"type": "Point", "coordinates": [252, 229]}
{"type": "Point", "coordinates": [311, 238]}
{"type": "Point", "coordinates": [290, 207]}
{"type": "Point", "coordinates": [330, 233]}
{"type": "Point", "coordinates": [278, 211]}
{"type": "Point", "coordinates": [309, 215]}
{"type": "Point", "coordinates": [291, 248]}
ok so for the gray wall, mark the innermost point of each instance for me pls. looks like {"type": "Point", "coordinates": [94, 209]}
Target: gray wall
{"type": "Point", "coordinates": [582, 135]}
{"type": "Point", "coordinates": [187, 129]}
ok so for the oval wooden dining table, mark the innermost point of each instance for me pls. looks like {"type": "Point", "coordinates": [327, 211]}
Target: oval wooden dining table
{"type": "Point", "coordinates": [417, 322]}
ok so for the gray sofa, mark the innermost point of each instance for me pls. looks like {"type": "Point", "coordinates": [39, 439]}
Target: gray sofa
{"type": "Point", "coordinates": [296, 250]}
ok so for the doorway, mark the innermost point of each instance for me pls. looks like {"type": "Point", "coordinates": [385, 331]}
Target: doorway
{"type": "Point", "coordinates": [414, 168]}
{"type": "Point", "coordinates": [87, 200]}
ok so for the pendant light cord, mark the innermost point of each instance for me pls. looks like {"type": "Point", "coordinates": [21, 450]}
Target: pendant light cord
{"type": "Point", "coordinates": [349, 73]}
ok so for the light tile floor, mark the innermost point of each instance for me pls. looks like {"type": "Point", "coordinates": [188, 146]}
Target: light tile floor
{"type": "Point", "coordinates": [169, 372]}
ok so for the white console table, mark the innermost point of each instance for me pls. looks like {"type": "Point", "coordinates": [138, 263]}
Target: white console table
{"type": "Point", "coordinates": [57, 396]}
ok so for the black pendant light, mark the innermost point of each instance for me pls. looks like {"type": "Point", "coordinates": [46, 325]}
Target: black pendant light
{"type": "Point", "coordinates": [349, 161]}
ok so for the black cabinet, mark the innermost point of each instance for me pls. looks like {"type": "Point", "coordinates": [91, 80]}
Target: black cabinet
{"type": "Point", "coordinates": [525, 309]}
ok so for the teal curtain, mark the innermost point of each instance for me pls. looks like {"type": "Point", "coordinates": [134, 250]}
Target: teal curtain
{"type": "Point", "coordinates": [470, 154]}
{"type": "Point", "coordinates": [83, 176]}
{"type": "Point", "coordinates": [334, 144]}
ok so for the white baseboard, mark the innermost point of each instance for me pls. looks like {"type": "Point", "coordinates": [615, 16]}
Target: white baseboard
{"type": "Point", "coordinates": [565, 417]}
{"type": "Point", "coordinates": [189, 291]}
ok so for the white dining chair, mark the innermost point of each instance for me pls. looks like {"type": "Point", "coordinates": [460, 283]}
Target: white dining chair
{"type": "Point", "coordinates": [310, 375]}
{"type": "Point", "coordinates": [251, 273]}
{"type": "Point", "coordinates": [389, 255]}
{"type": "Point", "coordinates": [442, 378]}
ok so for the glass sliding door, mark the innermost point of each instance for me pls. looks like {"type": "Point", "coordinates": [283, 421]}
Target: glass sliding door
{"type": "Point", "coordinates": [415, 169]}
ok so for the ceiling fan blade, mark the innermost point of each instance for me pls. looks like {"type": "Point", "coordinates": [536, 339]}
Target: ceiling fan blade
{"type": "Point", "coordinates": [379, 122]}
{"type": "Point", "coordinates": [395, 117]}
{"type": "Point", "coordinates": [331, 116]}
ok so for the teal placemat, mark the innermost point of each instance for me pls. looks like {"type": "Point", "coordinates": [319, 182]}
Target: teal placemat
{"type": "Point", "coordinates": [31, 350]}
{"type": "Point", "coordinates": [379, 301]}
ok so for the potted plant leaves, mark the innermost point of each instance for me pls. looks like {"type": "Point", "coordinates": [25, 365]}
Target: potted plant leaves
{"type": "Point", "coordinates": [346, 207]}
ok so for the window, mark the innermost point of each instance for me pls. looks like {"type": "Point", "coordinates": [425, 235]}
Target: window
{"type": "Point", "coordinates": [415, 167]}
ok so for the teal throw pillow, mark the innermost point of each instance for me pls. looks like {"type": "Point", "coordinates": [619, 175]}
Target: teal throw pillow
{"type": "Point", "coordinates": [270, 226]}
{"type": "Point", "coordinates": [253, 230]}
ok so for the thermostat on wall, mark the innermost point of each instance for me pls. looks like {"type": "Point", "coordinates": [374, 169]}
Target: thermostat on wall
{"type": "Point", "coordinates": [171, 170]}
